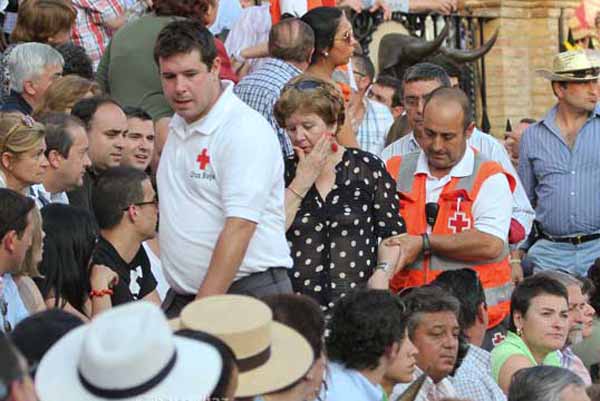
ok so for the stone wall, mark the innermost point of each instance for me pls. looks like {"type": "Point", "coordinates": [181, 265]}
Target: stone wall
{"type": "Point", "coordinates": [528, 40]}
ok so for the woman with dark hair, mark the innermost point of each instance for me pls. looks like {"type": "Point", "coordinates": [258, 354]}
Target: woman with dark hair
{"type": "Point", "coordinates": [304, 315]}
{"type": "Point", "coordinates": [340, 202]}
{"type": "Point", "coordinates": [334, 46]}
{"type": "Point", "coordinates": [71, 235]}
{"type": "Point", "coordinates": [538, 328]}
{"type": "Point", "coordinates": [227, 384]}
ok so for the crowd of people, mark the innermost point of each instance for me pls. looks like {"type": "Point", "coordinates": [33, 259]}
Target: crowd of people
{"type": "Point", "coordinates": [204, 200]}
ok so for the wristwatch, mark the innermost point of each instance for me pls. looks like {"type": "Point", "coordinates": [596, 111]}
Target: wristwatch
{"type": "Point", "coordinates": [385, 266]}
{"type": "Point", "coordinates": [426, 245]}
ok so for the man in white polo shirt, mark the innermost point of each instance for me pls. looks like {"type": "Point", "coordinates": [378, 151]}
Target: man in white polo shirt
{"type": "Point", "coordinates": [220, 180]}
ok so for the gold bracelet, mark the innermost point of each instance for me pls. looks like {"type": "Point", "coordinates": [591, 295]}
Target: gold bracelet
{"type": "Point", "coordinates": [295, 193]}
{"type": "Point", "coordinates": [516, 260]}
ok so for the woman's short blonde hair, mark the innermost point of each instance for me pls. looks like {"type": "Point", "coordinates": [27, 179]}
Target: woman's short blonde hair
{"type": "Point", "coordinates": [63, 93]}
{"type": "Point", "coordinates": [307, 94]}
{"type": "Point", "coordinates": [19, 133]}
{"type": "Point", "coordinates": [39, 20]}
{"type": "Point", "coordinates": [29, 267]}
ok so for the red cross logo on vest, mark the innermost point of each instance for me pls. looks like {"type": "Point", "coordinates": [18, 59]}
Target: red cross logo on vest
{"type": "Point", "coordinates": [498, 338]}
{"type": "Point", "coordinates": [203, 159]}
{"type": "Point", "coordinates": [459, 222]}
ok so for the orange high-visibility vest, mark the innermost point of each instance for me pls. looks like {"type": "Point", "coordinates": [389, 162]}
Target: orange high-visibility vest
{"type": "Point", "coordinates": [275, 8]}
{"type": "Point", "coordinates": [454, 216]}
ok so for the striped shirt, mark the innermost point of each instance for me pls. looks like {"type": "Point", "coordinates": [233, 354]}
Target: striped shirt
{"type": "Point", "coordinates": [374, 127]}
{"type": "Point", "coordinates": [490, 148]}
{"type": "Point", "coordinates": [563, 183]}
{"type": "Point", "coordinates": [260, 90]}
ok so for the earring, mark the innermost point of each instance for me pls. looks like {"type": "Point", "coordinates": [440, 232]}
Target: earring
{"type": "Point", "coordinates": [519, 332]}
{"type": "Point", "coordinates": [325, 53]}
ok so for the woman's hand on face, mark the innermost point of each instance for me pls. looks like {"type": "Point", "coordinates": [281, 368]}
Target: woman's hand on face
{"type": "Point", "coordinates": [310, 165]}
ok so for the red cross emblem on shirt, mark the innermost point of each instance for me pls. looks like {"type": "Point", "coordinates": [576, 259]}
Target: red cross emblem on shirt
{"type": "Point", "coordinates": [459, 221]}
{"type": "Point", "coordinates": [498, 338]}
{"type": "Point", "coordinates": [203, 159]}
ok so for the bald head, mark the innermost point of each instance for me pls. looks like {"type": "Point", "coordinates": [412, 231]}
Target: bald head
{"type": "Point", "coordinates": [451, 97]}
{"type": "Point", "coordinates": [291, 40]}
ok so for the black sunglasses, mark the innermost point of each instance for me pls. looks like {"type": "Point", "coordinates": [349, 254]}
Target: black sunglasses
{"type": "Point", "coordinates": [152, 202]}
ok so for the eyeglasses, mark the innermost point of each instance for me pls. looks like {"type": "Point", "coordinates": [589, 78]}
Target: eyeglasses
{"type": "Point", "coordinates": [152, 202]}
{"type": "Point", "coordinates": [347, 37]}
{"type": "Point", "coordinates": [4, 311]}
{"type": "Point", "coordinates": [360, 74]}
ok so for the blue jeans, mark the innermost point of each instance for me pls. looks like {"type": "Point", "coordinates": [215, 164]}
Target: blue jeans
{"type": "Point", "coordinates": [577, 259]}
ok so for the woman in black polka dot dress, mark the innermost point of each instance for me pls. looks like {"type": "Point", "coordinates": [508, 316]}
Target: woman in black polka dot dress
{"type": "Point", "coordinates": [340, 202]}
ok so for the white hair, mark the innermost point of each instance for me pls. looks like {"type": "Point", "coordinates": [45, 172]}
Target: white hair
{"type": "Point", "coordinates": [28, 60]}
{"type": "Point", "coordinates": [542, 383]}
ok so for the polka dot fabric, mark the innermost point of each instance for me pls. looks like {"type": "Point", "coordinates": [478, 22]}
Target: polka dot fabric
{"type": "Point", "coordinates": [334, 240]}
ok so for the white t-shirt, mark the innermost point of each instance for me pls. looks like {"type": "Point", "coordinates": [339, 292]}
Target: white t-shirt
{"type": "Point", "coordinates": [228, 164]}
{"type": "Point", "coordinates": [492, 208]}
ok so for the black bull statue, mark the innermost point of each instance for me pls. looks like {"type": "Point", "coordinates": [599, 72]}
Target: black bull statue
{"type": "Point", "coordinates": [397, 52]}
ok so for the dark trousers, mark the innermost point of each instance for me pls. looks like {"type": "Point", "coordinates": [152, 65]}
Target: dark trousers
{"type": "Point", "coordinates": [272, 281]}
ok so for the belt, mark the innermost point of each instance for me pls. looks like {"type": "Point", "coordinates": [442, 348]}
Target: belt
{"type": "Point", "coordinates": [577, 240]}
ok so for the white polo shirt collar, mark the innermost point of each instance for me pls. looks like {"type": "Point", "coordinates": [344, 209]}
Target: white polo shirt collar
{"type": "Point", "coordinates": [463, 168]}
{"type": "Point", "coordinates": [211, 122]}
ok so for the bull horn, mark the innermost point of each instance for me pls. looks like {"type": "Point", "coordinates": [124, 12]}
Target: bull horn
{"type": "Point", "coordinates": [419, 49]}
{"type": "Point", "coordinates": [466, 56]}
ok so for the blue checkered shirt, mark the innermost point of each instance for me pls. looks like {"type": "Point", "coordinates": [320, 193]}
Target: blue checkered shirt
{"type": "Point", "coordinates": [260, 90]}
{"type": "Point", "coordinates": [374, 127]}
{"type": "Point", "coordinates": [474, 380]}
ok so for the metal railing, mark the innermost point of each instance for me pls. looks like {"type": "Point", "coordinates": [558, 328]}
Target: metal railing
{"type": "Point", "coordinates": [466, 32]}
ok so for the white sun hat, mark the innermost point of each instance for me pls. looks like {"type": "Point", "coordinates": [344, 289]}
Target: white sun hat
{"type": "Point", "coordinates": [128, 353]}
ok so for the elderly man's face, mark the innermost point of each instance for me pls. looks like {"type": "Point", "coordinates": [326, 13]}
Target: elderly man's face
{"type": "Point", "coordinates": [577, 306]}
{"type": "Point", "coordinates": [41, 83]}
{"type": "Point", "coordinates": [436, 338]}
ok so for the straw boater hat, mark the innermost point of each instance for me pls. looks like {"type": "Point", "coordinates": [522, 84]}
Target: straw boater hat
{"type": "Point", "coordinates": [573, 66]}
{"type": "Point", "coordinates": [128, 353]}
{"type": "Point", "coordinates": [270, 356]}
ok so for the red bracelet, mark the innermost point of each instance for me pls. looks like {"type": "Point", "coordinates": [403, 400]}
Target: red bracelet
{"type": "Point", "coordinates": [101, 293]}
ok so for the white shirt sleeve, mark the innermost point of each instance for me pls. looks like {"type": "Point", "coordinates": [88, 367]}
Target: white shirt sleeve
{"type": "Point", "coordinates": [295, 7]}
{"type": "Point", "coordinates": [521, 208]}
{"type": "Point", "coordinates": [493, 207]}
{"type": "Point", "coordinates": [253, 170]}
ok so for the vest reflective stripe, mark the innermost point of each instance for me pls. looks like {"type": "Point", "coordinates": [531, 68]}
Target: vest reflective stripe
{"type": "Point", "coordinates": [456, 198]}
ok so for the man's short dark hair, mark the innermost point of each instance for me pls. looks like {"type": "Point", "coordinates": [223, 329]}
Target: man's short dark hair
{"type": "Point", "coordinates": [364, 324]}
{"type": "Point", "coordinates": [364, 65]}
{"type": "Point", "coordinates": [530, 288]}
{"type": "Point", "coordinates": [77, 61]}
{"type": "Point", "coordinates": [464, 285]}
{"type": "Point", "coordinates": [291, 40]}
{"type": "Point", "coordinates": [116, 189]}
{"type": "Point", "coordinates": [86, 108]}
{"type": "Point", "coordinates": [36, 334]}
{"type": "Point", "coordinates": [14, 209]}
{"type": "Point", "coordinates": [451, 68]}
{"type": "Point", "coordinates": [426, 72]}
{"type": "Point", "coordinates": [394, 83]}
{"type": "Point", "coordinates": [136, 112]}
{"type": "Point", "coordinates": [183, 37]}
{"type": "Point", "coordinates": [428, 299]}
{"type": "Point", "coordinates": [57, 135]}
{"type": "Point", "coordinates": [452, 95]}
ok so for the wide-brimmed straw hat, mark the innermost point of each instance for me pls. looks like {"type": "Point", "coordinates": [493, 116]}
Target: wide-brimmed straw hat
{"type": "Point", "coordinates": [128, 353]}
{"type": "Point", "coordinates": [270, 355]}
{"type": "Point", "coordinates": [573, 66]}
